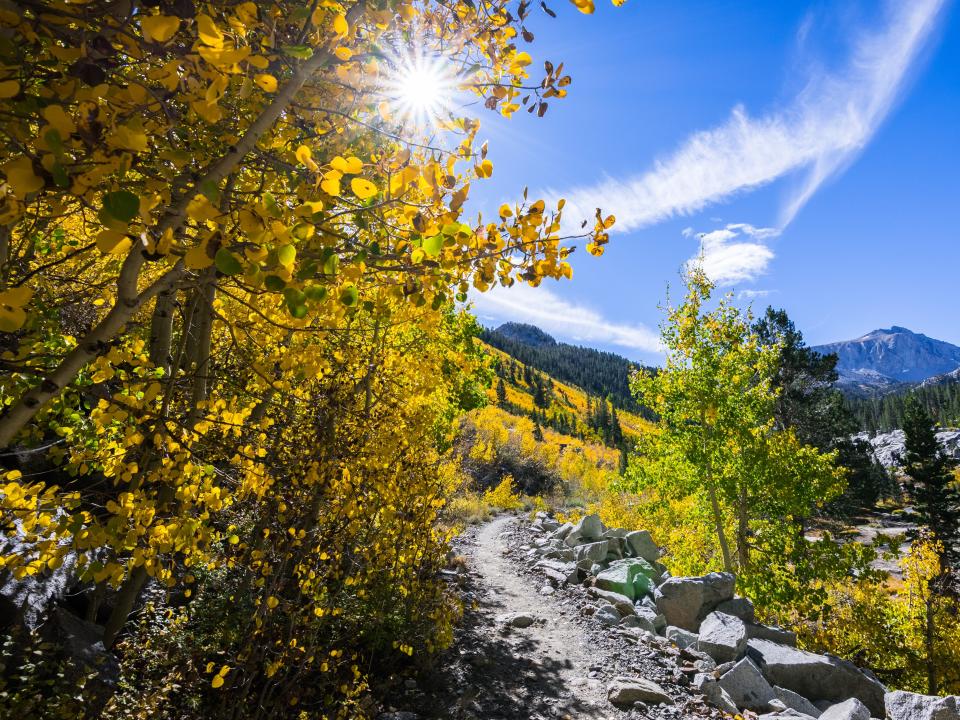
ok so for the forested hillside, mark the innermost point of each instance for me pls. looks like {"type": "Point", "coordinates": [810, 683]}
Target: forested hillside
{"type": "Point", "coordinates": [880, 414]}
{"type": "Point", "coordinates": [602, 374]}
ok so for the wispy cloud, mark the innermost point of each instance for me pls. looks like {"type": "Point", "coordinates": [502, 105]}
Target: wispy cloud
{"type": "Point", "coordinates": [548, 311]}
{"type": "Point", "coordinates": [820, 131]}
{"type": "Point", "coordinates": [735, 253]}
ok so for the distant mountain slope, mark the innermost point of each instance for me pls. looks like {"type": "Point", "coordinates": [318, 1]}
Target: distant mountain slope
{"type": "Point", "coordinates": [600, 374]}
{"type": "Point", "coordinates": [885, 359]}
{"type": "Point", "coordinates": [527, 334]}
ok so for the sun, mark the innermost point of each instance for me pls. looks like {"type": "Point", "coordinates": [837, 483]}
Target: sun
{"type": "Point", "coordinates": [420, 90]}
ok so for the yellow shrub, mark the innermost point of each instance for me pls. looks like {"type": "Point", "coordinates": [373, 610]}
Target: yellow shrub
{"type": "Point", "coordinates": [503, 497]}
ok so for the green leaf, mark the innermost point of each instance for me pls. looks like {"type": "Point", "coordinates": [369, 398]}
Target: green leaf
{"type": "Point", "coordinates": [286, 254]}
{"type": "Point", "coordinates": [452, 229]}
{"type": "Point", "coordinates": [349, 295]}
{"type": "Point", "coordinates": [316, 293]}
{"type": "Point", "coordinates": [270, 202]}
{"type": "Point", "coordinates": [227, 262]}
{"type": "Point", "coordinates": [210, 191]}
{"type": "Point", "coordinates": [122, 205]}
{"type": "Point", "coordinates": [296, 302]}
{"type": "Point", "coordinates": [432, 245]}
{"type": "Point", "coordinates": [330, 263]}
{"type": "Point", "coordinates": [274, 283]}
{"type": "Point", "coordinates": [301, 52]}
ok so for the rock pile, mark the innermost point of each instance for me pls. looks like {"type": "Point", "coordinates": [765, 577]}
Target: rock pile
{"type": "Point", "coordinates": [741, 665]}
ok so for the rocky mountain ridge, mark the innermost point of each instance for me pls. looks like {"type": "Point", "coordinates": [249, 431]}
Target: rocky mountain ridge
{"type": "Point", "coordinates": [887, 359]}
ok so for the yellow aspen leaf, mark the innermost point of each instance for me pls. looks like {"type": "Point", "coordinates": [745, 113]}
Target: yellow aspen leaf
{"type": "Point", "coordinates": [9, 89]}
{"type": "Point", "coordinates": [303, 154]}
{"type": "Point", "coordinates": [159, 28]}
{"type": "Point", "coordinates": [197, 258]}
{"type": "Point", "coordinates": [59, 121]}
{"type": "Point", "coordinates": [484, 169]}
{"type": "Point", "coordinates": [267, 83]}
{"type": "Point", "coordinates": [362, 188]}
{"type": "Point", "coordinates": [217, 681]}
{"type": "Point", "coordinates": [505, 211]}
{"type": "Point", "coordinates": [331, 183]}
{"type": "Point", "coordinates": [272, 602]}
{"type": "Point", "coordinates": [522, 59]}
{"type": "Point", "coordinates": [113, 242]}
{"type": "Point", "coordinates": [343, 53]}
{"type": "Point", "coordinates": [129, 138]}
{"type": "Point", "coordinates": [348, 166]}
{"type": "Point", "coordinates": [584, 6]}
{"type": "Point", "coordinates": [21, 178]}
{"type": "Point", "coordinates": [340, 25]}
{"type": "Point", "coordinates": [208, 32]}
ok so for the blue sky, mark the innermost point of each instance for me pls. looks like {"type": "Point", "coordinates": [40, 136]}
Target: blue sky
{"type": "Point", "coordinates": [810, 150]}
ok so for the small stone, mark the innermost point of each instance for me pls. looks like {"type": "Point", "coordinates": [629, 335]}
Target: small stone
{"type": "Point", "coordinates": [547, 590]}
{"type": "Point", "coordinates": [608, 615]}
{"type": "Point", "coordinates": [517, 620]}
{"type": "Point", "coordinates": [625, 691]}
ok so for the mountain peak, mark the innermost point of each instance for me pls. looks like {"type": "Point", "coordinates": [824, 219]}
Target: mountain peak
{"type": "Point", "coordinates": [527, 334]}
{"type": "Point", "coordinates": [885, 357]}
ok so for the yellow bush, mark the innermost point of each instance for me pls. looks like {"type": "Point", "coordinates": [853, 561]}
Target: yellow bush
{"type": "Point", "coordinates": [503, 497]}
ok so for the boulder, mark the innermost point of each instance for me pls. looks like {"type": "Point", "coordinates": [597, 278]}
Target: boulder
{"type": "Point", "coordinates": [656, 620]}
{"type": "Point", "coordinates": [680, 637]}
{"type": "Point", "coordinates": [797, 702]}
{"type": "Point", "coordinates": [587, 529]}
{"type": "Point", "coordinates": [622, 603]}
{"type": "Point", "coordinates": [774, 634]}
{"type": "Point", "coordinates": [816, 677]}
{"type": "Point", "coordinates": [560, 571]}
{"type": "Point", "coordinates": [594, 551]}
{"type": "Point", "coordinates": [747, 686]}
{"type": "Point", "coordinates": [686, 601]}
{"type": "Point", "coordinates": [640, 544]}
{"type": "Point", "coordinates": [723, 637]}
{"type": "Point", "coordinates": [740, 607]}
{"type": "Point", "coordinates": [715, 695]}
{"type": "Point", "coordinates": [607, 614]}
{"type": "Point", "coordinates": [561, 532]}
{"type": "Point", "coordinates": [550, 525]}
{"type": "Point", "coordinates": [615, 533]}
{"type": "Point", "coordinates": [902, 705]}
{"type": "Point", "coordinates": [631, 577]}
{"type": "Point", "coordinates": [788, 714]}
{"type": "Point", "coordinates": [625, 691]}
{"type": "Point", "coordinates": [851, 709]}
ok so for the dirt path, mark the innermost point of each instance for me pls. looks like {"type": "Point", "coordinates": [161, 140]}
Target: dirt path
{"type": "Point", "coordinates": [558, 667]}
{"type": "Point", "coordinates": [557, 653]}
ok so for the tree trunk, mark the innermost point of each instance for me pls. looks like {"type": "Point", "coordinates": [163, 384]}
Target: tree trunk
{"type": "Point", "coordinates": [126, 597]}
{"type": "Point", "coordinates": [743, 530]}
{"type": "Point", "coordinates": [161, 330]}
{"type": "Point", "coordinates": [718, 522]}
{"type": "Point", "coordinates": [932, 683]}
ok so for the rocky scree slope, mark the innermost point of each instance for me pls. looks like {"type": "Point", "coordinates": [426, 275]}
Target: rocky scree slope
{"type": "Point", "coordinates": [738, 665]}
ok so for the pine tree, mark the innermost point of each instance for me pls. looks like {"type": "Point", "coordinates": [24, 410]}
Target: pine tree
{"type": "Point", "coordinates": [936, 499]}
{"type": "Point", "coordinates": [501, 393]}
{"type": "Point", "coordinates": [537, 432]}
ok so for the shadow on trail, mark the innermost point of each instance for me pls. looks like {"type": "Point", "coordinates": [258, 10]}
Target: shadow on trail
{"type": "Point", "coordinates": [489, 674]}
